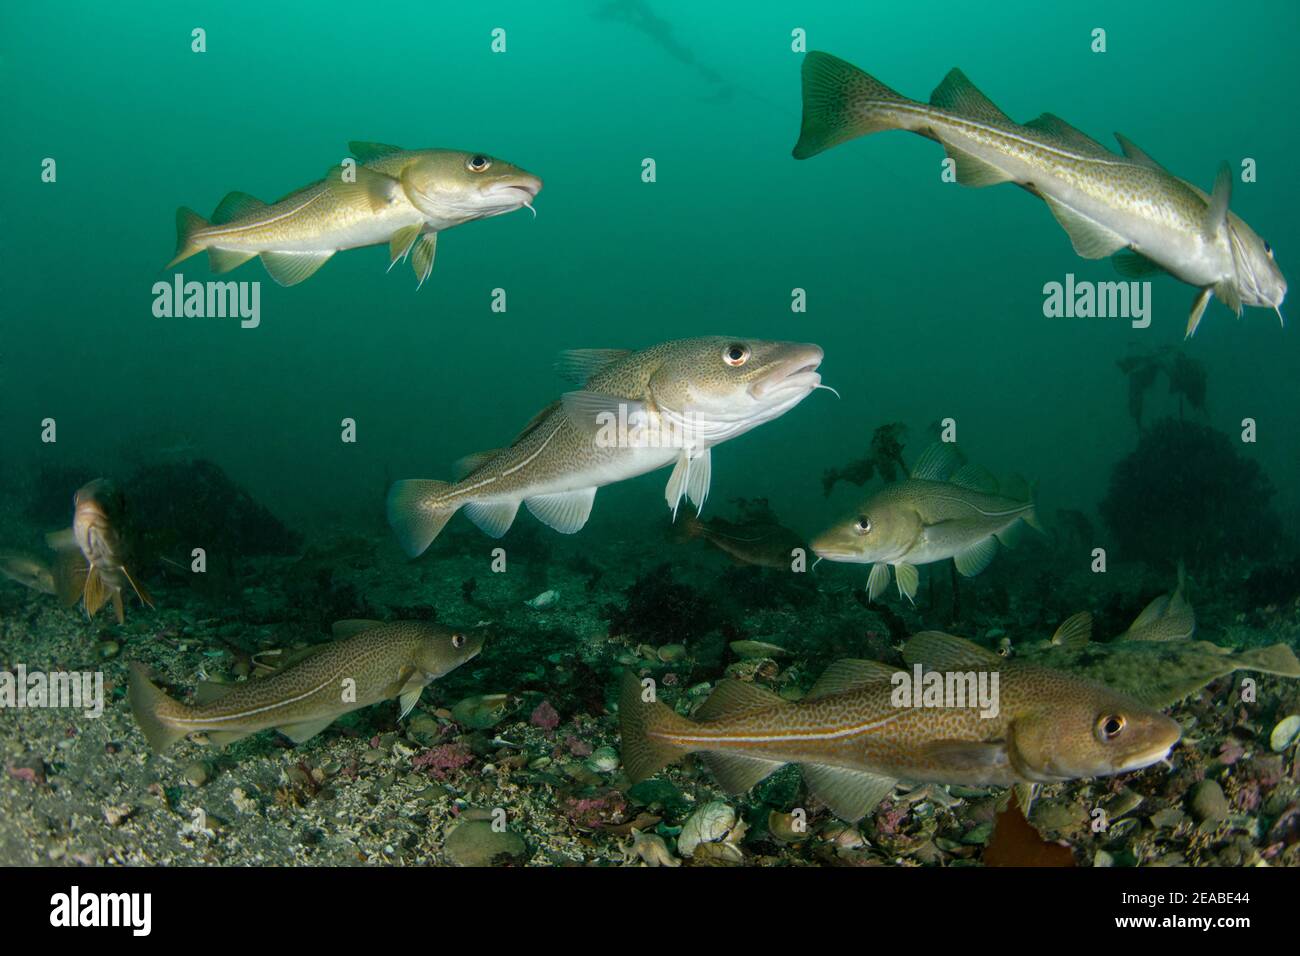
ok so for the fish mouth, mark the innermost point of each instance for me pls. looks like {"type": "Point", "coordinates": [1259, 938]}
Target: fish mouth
{"type": "Point", "coordinates": [522, 191]}
{"type": "Point", "coordinates": [798, 373]}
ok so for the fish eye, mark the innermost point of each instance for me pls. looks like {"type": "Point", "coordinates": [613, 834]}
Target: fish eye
{"type": "Point", "coordinates": [862, 525]}
{"type": "Point", "coordinates": [1268, 250]}
{"type": "Point", "coordinates": [1110, 726]}
{"type": "Point", "coordinates": [458, 640]}
{"type": "Point", "coordinates": [478, 163]}
{"type": "Point", "coordinates": [735, 354]}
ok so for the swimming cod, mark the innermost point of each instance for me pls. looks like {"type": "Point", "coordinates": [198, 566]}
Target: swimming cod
{"type": "Point", "coordinates": [854, 742]}
{"type": "Point", "coordinates": [393, 195]}
{"type": "Point", "coordinates": [942, 511]}
{"type": "Point", "coordinates": [96, 557]}
{"type": "Point", "coordinates": [636, 412]}
{"type": "Point", "coordinates": [368, 662]}
{"type": "Point", "coordinates": [1107, 203]}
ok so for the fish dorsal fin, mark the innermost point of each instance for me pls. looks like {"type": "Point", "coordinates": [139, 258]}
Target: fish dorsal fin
{"type": "Point", "coordinates": [975, 478]}
{"type": "Point", "coordinates": [1057, 128]}
{"type": "Point", "coordinates": [958, 94]}
{"type": "Point", "coordinates": [850, 794]}
{"type": "Point", "coordinates": [1136, 153]}
{"type": "Point", "coordinates": [535, 421]}
{"type": "Point", "coordinates": [369, 152]}
{"type": "Point", "coordinates": [849, 674]}
{"type": "Point", "coordinates": [733, 696]}
{"type": "Point", "coordinates": [578, 365]}
{"type": "Point", "coordinates": [938, 462]}
{"type": "Point", "coordinates": [236, 205]}
{"type": "Point", "coordinates": [947, 652]}
{"type": "Point", "coordinates": [1151, 613]}
{"type": "Point", "coordinates": [464, 467]}
{"type": "Point", "coordinates": [737, 774]}
{"type": "Point", "coordinates": [1075, 631]}
{"type": "Point", "coordinates": [351, 626]}
{"type": "Point", "coordinates": [208, 691]}
{"type": "Point", "coordinates": [1216, 216]}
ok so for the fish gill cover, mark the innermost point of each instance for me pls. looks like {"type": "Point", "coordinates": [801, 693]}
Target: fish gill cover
{"type": "Point", "coordinates": [506, 367]}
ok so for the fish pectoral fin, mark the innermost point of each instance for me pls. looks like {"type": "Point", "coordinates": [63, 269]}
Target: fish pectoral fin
{"type": "Point", "coordinates": [578, 365]}
{"type": "Point", "coordinates": [909, 580]}
{"type": "Point", "coordinates": [492, 517]}
{"type": "Point", "coordinates": [411, 691]}
{"type": "Point", "coordinates": [1090, 239]}
{"type": "Point", "coordinates": [850, 794]}
{"type": "Point", "coordinates": [1134, 265]}
{"type": "Point", "coordinates": [936, 650]}
{"type": "Point", "coordinates": [1075, 631]}
{"type": "Point", "coordinates": [565, 512]}
{"type": "Point", "coordinates": [1198, 309]}
{"type": "Point", "coordinates": [236, 205]}
{"type": "Point", "coordinates": [369, 152]}
{"type": "Point", "coordinates": [353, 626]}
{"type": "Point", "coordinates": [363, 186]}
{"type": "Point", "coordinates": [592, 412]}
{"type": "Point", "coordinates": [733, 696]}
{"type": "Point", "coordinates": [401, 242]}
{"type": "Point", "coordinates": [967, 755]}
{"type": "Point", "coordinates": [737, 774]}
{"type": "Point", "coordinates": [878, 580]}
{"type": "Point", "coordinates": [290, 268]}
{"type": "Point", "coordinates": [422, 257]}
{"type": "Point", "coordinates": [305, 730]}
{"type": "Point", "coordinates": [974, 559]}
{"type": "Point", "coordinates": [63, 540]}
{"type": "Point", "coordinates": [971, 170]}
{"type": "Point", "coordinates": [849, 674]}
{"type": "Point", "coordinates": [223, 260]}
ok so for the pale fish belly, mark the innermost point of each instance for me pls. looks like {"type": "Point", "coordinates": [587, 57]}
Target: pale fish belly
{"type": "Point", "coordinates": [349, 232]}
{"type": "Point", "coordinates": [943, 541]}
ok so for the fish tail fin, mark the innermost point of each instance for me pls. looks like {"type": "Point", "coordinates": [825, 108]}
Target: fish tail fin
{"type": "Point", "coordinates": [150, 707]}
{"type": "Point", "coordinates": [841, 102]}
{"type": "Point", "coordinates": [188, 222]}
{"type": "Point", "coordinates": [641, 722]}
{"type": "Point", "coordinates": [1277, 659]}
{"type": "Point", "coordinates": [415, 514]}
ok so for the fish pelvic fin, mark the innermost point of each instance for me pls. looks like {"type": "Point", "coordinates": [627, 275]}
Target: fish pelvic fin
{"type": "Point", "coordinates": [415, 514]}
{"type": "Point", "coordinates": [188, 222]}
{"type": "Point", "coordinates": [151, 708]}
{"type": "Point", "coordinates": [841, 102]}
{"type": "Point", "coordinates": [1198, 309]}
{"type": "Point", "coordinates": [641, 724]}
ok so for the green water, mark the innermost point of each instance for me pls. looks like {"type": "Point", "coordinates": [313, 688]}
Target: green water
{"type": "Point", "coordinates": [926, 297]}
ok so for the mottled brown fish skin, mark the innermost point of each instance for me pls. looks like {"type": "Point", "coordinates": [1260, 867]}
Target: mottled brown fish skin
{"type": "Point", "coordinates": [381, 662]}
{"type": "Point", "coordinates": [1050, 727]}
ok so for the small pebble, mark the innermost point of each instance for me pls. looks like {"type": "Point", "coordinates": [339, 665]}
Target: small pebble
{"type": "Point", "coordinates": [1207, 802]}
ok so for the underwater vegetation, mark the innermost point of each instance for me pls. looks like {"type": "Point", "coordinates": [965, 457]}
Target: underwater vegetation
{"type": "Point", "coordinates": [885, 459]}
{"type": "Point", "coordinates": [1186, 376]}
{"type": "Point", "coordinates": [1187, 491]}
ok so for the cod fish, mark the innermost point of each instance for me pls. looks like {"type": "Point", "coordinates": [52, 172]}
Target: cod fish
{"type": "Point", "coordinates": [1158, 673]}
{"type": "Point", "coordinates": [368, 662]}
{"type": "Point", "coordinates": [762, 544]}
{"type": "Point", "coordinates": [28, 570]}
{"type": "Point", "coordinates": [95, 556]}
{"type": "Point", "coordinates": [636, 412]}
{"type": "Point", "coordinates": [942, 511]}
{"type": "Point", "coordinates": [854, 743]}
{"type": "Point", "coordinates": [1107, 203]}
{"type": "Point", "coordinates": [397, 196]}
{"type": "Point", "coordinates": [1167, 618]}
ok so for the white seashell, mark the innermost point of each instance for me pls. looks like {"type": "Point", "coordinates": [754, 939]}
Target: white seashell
{"type": "Point", "coordinates": [711, 823]}
{"type": "Point", "coordinates": [544, 600]}
{"type": "Point", "coordinates": [1285, 733]}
